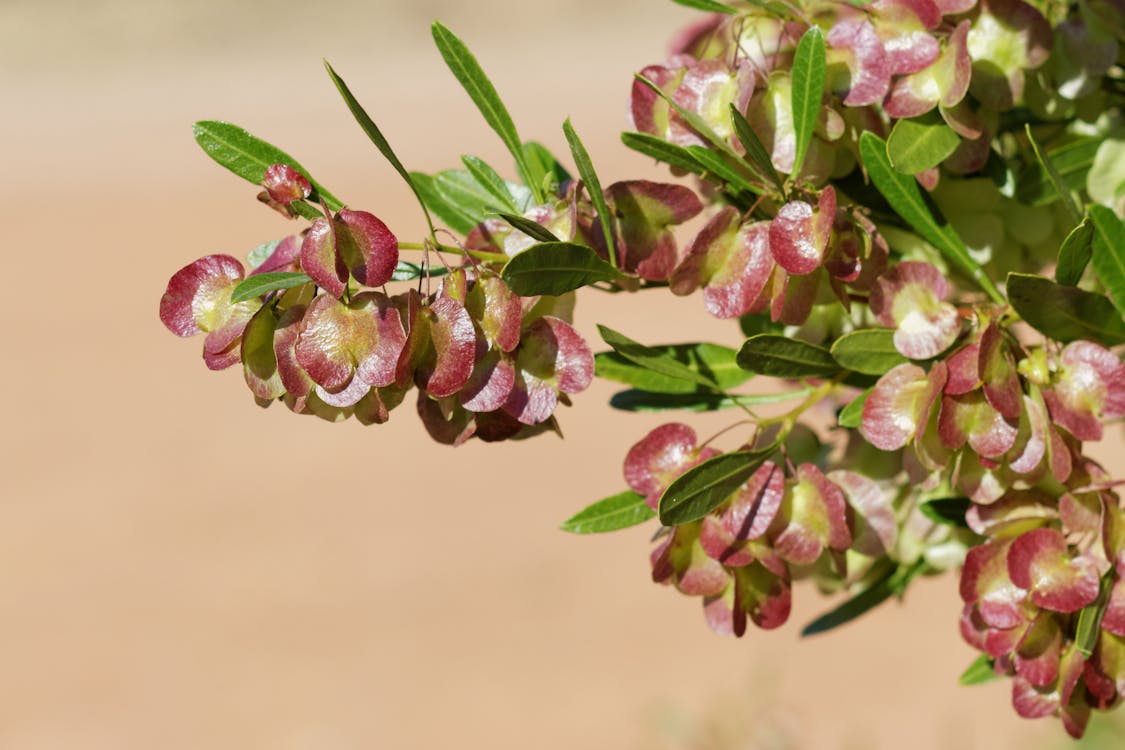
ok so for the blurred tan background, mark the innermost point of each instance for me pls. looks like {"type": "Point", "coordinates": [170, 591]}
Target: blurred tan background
{"type": "Point", "coordinates": [179, 569]}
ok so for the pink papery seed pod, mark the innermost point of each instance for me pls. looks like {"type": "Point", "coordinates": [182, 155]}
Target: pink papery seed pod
{"type": "Point", "coordinates": [681, 561]}
{"type": "Point", "coordinates": [284, 184]}
{"type": "Point", "coordinates": [855, 43]}
{"type": "Point", "coordinates": [910, 298]}
{"type": "Point", "coordinates": [1040, 562]}
{"type": "Point", "coordinates": [945, 82]}
{"type": "Point", "coordinates": [709, 88]}
{"type": "Point", "coordinates": [1088, 387]}
{"type": "Point", "coordinates": [904, 26]}
{"type": "Point", "coordinates": [642, 213]}
{"type": "Point", "coordinates": [367, 246]}
{"type": "Point", "coordinates": [348, 348]}
{"type": "Point", "coordinates": [730, 260]}
{"type": "Point", "coordinates": [440, 349]}
{"type": "Point", "coordinates": [799, 234]}
{"type": "Point", "coordinates": [812, 518]}
{"type": "Point", "coordinates": [552, 359]}
{"type": "Point", "coordinates": [1007, 37]}
{"type": "Point", "coordinates": [660, 457]}
{"type": "Point", "coordinates": [898, 409]}
{"type": "Point", "coordinates": [197, 300]}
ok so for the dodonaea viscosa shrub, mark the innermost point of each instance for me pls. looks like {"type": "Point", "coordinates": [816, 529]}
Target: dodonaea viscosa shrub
{"type": "Point", "coordinates": [880, 188]}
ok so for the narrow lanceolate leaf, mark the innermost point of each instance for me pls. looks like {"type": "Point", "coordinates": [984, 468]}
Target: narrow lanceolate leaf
{"type": "Point", "coordinates": [1090, 619]}
{"type": "Point", "coordinates": [540, 159]}
{"type": "Point", "coordinates": [615, 512]}
{"type": "Point", "coordinates": [407, 271]}
{"type": "Point", "coordinates": [593, 186]}
{"type": "Point", "coordinates": [662, 151]}
{"type": "Point", "coordinates": [1072, 162]}
{"type": "Point", "coordinates": [712, 6]}
{"type": "Point", "coordinates": [1075, 254]}
{"type": "Point", "coordinates": [263, 283]}
{"type": "Point", "coordinates": [452, 216]}
{"type": "Point", "coordinates": [1065, 313]}
{"type": "Point", "coordinates": [726, 173]}
{"type": "Point", "coordinates": [656, 360]}
{"type": "Point", "coordinates": [716, 363]}
{"type": "Point", "coordinates": [635, 400]}
{"type": "Point", "coordinates": [902, 193]}
{"type": "Point", "coordinates": [870, 351]}
{"type": "Point", "coordinates": [1054, 177]}
{"type": "Point", "coordinates": [372, 130]}
{"type": "Point", "coordinates": [851, 416]}
{"type": "Point", "coordinates": [693, 119]}
{"type": "Point", "coordinates": [948, 511]}
{"type": "Point", "coordinates": [756, 153]}
{"type": "Point", "coordinates": [703, 488]}
{"type": "Point", "coordinates": [918, 144]}
{"type": "Point", "coordinates": [532, 229]}
{"type": "Point", "coordinates": [979, 672]}
{"type": "Point", "coordinates": [1109, 253]}
{"type": "Point", "coordinates": [492, 182]}
{"type": "Point", "coordinates": [783, 357]}
{"type": "Point", "coordinates": [469, 73]}
{"type": "Point", "coordinates": [808, 90]}
{"type": "Point", "coordinates": [249, 156]}
{"type": "Point", "coordinates": [892, 582]}
{"type": "Point", "coordinates": [554, 268]}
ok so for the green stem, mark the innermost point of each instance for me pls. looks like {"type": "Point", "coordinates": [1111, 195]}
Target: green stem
{"type": "Point", "coordinates": [476, 254]}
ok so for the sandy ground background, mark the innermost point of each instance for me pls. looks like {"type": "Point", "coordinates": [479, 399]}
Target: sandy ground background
{"type": "Point", "coordinates": [179, 569]}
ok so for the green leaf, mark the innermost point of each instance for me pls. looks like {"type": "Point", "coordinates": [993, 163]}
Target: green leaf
{"type": "Point", "coordinates": [490, 181]}
{"type": "Point", "coordinates": [1108, 256]}
{"type": "Point", "coordinates": [654, 359]}
{"type": "Point", "coordinates": [249, 157]}
{"type": "Point", "coordinates": [705, 487]}
{"type": "Point", "coordinates": [712, 6]}
{"type": "Point", "coordinates": [372, 130]}
{"type": "Point", "coordinates": [453, 217]}
{"type": "Point", "coordinates": [756, 153]}
{"type": "Point", "coordinates": [902, 193]}
{"type": "Point", "coordinates": [1075, 253]}
{"type": "Point", "coordinates": [662, 151]}
{"type": "Point", "coordinates": [1065, 313]}
{"type": "Point", "coordinates": [851, 416]}
{"type": "Point", "coordinates": [808, 90]}
{"type": "Point", "coordinates": [532, 229]}
{"type": "Point", "coordinates": [728, 175]}
{"type": "Point", "coordinates": [469, 73]}
{"type": "Point", "coordinates": [715, 363]}
{"type": "Point", "coordinates": [948, 511]}
{"type": "Point", "coordinates": [593, 186]}
{"type": "Point", "coordinates": [751, 324]}
{"type": "Point", "coordinates": [783, 357]}
{"type": "Point", "coordinates": [1054, 177]}
{"type": "Point", "coordinates": [635, 400]}
{"type": "Point", "coordinates": [263, 283]}
{"type": "Point", "coordinates": [554, 268]}
{"type": "Point", "coordinates": [870, 351]}
{"type": "Point", "coordinates": [406, 271]}
{"type": "Point", "coordinates": [695, 120]}
{"type": "Point", "coordinates": [979, 672]}
{"type": "Point", "coordinates": [1072, 161]}
{"type": "Point", "coordinates": [1090, 618]}
{"type": "Point", "coordinates": [469, 198]}
{"type": "Point", "coordinates": [920, 143]}
{"type": "Point", "coordinates": [542, 160]}
{"type": "Point", "coordinates": [891, 583]}
{"type": "Point", "coordinates": [615, 512]}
